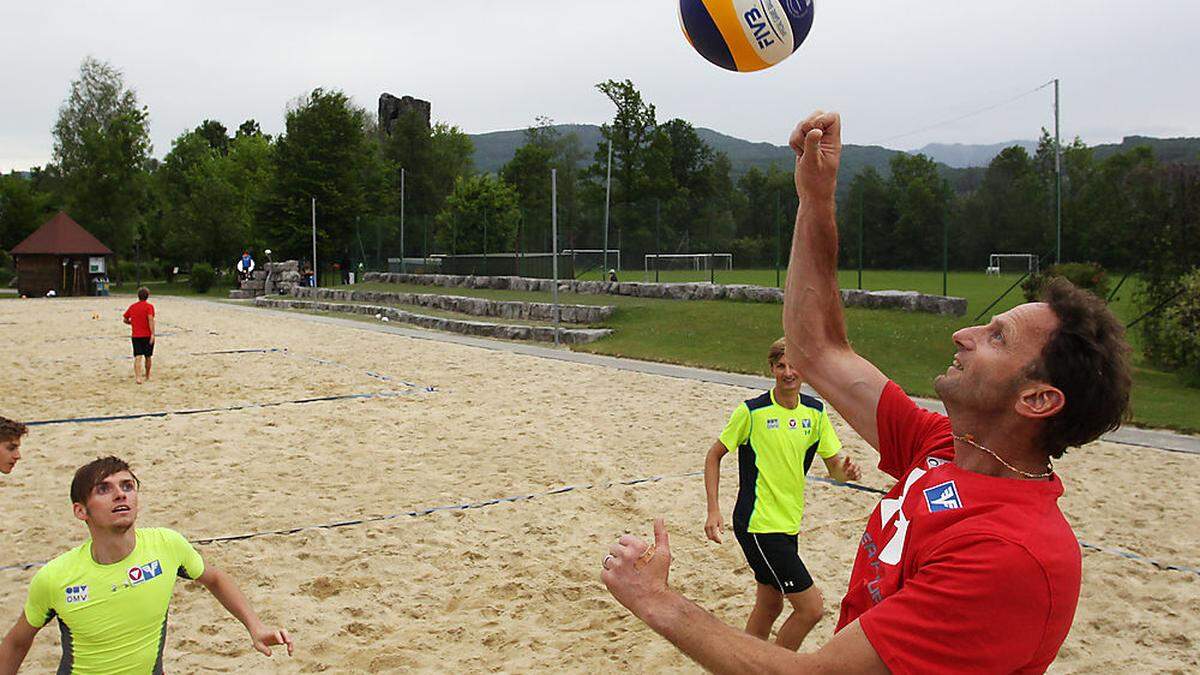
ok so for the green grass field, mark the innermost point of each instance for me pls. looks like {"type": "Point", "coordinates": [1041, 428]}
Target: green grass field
{"type": "Point", "coordinates": [910, 348]}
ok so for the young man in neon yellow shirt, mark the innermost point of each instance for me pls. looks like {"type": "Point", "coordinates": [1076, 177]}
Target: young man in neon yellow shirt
{"type": "Point", "coordinates": [777, 436]}
{"type": "Point", "coordinates": [111, 593]}
{"type": "Point", "coordinates": [11, 433]}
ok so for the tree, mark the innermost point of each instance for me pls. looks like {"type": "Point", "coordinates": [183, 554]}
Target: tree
{"type": "Point", "coordinates": [480, 216]}
{"type": "Point", "coordinates": [922, 200]}
{"type": "Point", "coordinates": [545, 149]}
{"type": "Point", "coordinates": [215, 134]}
{"type": "Point", "coordinates": [101, 145]}
{"type": "Point", "coordinates": [320, 155]}
{"type": "Point", "coordinates": [22, 209]}
{"type": "Point", "coordinates": [631, 133]}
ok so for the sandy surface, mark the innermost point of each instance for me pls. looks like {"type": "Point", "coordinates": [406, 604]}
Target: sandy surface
{"type": "Point", "coordinates": [508, 588]}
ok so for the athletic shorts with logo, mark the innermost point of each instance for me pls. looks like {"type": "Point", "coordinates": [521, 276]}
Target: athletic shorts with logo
{"type": "Point", "coordinates": [775, 560]}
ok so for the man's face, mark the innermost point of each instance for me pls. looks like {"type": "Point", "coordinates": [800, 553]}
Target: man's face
{"type": "Point", "coordinates": [10, 454]}
{"type": "Point", "coordinates": [992, 361]}
{"type": "Point", "coordinates": [787, 378]}
{"type": "Point", "coordinates": [113, 503]}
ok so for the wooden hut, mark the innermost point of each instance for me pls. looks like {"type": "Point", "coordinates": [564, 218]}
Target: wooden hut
{"type": "Point", "coordinates": [60, 256]}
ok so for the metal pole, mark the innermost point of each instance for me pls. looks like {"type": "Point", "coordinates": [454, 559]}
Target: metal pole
{"type": "Point", "coordinates": [1057, 181]}
{"type": "Point", "coordinates": [402, 267]}
{"type": "Point", "coordinates": [316, 274]}
{"type": "Point", "coordinates": [861, 210]}
{"type": "Point", "coordinates": [657, 245]}
{"type": "Point", "coordinates": [945, 254]}
{"type": "Point", "coordinates": [778, 228]}
{"type": "Point", "coordinates": [607, 198]}
{"type": "Point", "coordinates": [554, 236]}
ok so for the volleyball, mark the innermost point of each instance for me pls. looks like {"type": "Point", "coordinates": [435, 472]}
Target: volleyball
{"type": "Point", "coordinates": [746, 35]}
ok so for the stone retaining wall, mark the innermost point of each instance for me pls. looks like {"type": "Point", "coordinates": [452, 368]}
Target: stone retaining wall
{"type": "Point", "coordinates": [911, 301]}
{"type": "Point", "coordinates": [527, 311]}
{"type": "Point", "coordinates": [479, 328]}
{"type": "Point", "coordinates": [284, 276]}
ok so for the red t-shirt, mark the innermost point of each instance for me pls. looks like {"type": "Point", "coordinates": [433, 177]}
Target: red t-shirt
{"type": "Point", "coordinates": [958, 571]}
{"type": "Point", "coordinates": [139, 314]}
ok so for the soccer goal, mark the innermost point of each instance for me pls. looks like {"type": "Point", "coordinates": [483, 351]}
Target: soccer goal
{"type": "Point", "coordinates": [590, 262]}
{"type": "Point", "coordinates": [686, 266]}
{"type": "Point", "coordinates": [1010, 263]}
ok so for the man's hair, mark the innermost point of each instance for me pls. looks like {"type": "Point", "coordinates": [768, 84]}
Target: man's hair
{"type": "Point", "coordinates": [143, 293]}
{"type": "Point", "coordinates": [11, 430]}
{"type": "Point", "coordinates": [1087, 358]}
{"type": "Point", "coordinates": [776, 351]}
{"type": "Point", "coordinates": [88, 476]}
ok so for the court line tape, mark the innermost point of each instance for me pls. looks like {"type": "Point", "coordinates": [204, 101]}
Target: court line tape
{"type": "Point", "coordinates": [314, 359]}
{"type": "Point", "coordinates": [572, 488]}
{"type": "Point", "coordinates": [248, 406]}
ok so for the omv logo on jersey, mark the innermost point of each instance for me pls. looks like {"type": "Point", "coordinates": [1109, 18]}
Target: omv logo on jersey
{"type": "Point", "coordinates": [77, 594]}
{"type": "Point", "coordinates": [144, 573]}
{"type": "Point", "coordinates": [942, 497]}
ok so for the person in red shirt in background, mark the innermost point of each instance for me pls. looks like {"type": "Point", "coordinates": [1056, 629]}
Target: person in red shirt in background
{"type": "Point", "coordinates": [140, 316]}
{"type": "Point", "coordinates": [967, 564]}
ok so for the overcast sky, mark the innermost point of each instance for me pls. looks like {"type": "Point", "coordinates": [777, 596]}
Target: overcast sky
{"type": "Point", "coordinates": [890, 67]}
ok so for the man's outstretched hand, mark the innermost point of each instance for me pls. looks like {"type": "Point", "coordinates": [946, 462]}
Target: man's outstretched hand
{"type": "Point", "coordinates": [817, 142]}
{"type": "Point", "coordinates": [636, 573]}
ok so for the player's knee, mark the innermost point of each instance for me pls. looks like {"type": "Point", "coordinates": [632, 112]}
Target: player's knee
{"type": "Point", "coordinates": [813, 610]}
{"type": "Point", "coordinates": [770, 604]}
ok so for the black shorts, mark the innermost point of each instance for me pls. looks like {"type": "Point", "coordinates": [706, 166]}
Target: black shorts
{"type": "Point", "coordinates": [775, 560]}
{"type": "Point", "coordinates": [143, 347]}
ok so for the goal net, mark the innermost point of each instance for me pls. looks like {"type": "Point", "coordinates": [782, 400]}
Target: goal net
{"type": "Point", "coordinates": [590, 262]}
{"type": "Point", "coordinates": [1012, 263]}
{"type": "Point", "coordinates": [685, 266]}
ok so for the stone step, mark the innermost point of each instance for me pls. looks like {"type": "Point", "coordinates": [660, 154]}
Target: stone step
{"type": "Point", "coordinates": [478, 328]}
{"type": "Point", "coordinates": [501, 309]}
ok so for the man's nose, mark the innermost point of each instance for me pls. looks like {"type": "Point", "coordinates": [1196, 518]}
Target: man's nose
{"type": "Point", "coordinates": [962, 338]}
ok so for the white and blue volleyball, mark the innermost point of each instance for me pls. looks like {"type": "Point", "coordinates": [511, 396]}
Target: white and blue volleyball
{"type": "Point", "coordinates": [746, 35]}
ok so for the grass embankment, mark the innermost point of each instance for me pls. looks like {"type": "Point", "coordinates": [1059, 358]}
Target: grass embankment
{"type": "Point", "coordinates": [910, 348]}
{"type": "Point", "coordinates": [175, 288]}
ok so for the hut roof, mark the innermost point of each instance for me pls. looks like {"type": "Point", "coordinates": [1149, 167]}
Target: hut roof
{"type": "Point", "coordinates": [61, 236]}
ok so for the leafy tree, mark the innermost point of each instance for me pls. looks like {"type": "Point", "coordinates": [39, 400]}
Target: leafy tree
{"type": "Point", "coordinates": [868, 204]}
{"type": "Point", "coordinates": [320, 155]}
{"type": "Point", "coordinates": [101, 145]}
{"type": "Point", "coordinates": [23, 208]}
{"type": "Point", "coordinates": [922, 199]}
{"type": "Point", "coordinates": [216, 134]}
{"type": "Point", "coordinates": [480, 216]}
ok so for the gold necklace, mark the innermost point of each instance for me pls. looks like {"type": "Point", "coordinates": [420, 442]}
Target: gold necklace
{"type": "Point", "coordinates": [968, 438]}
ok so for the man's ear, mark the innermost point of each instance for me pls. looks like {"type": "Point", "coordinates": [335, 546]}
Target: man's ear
{"type": "Point", "coordinates": [80, 511]}
{"type": "Point", "coordinates": [1040, 400]}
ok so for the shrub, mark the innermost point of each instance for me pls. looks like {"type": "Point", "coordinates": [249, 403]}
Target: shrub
{"type": "Point", "coordinates": [7, 269]}
{"type": "Point", "coordinates": [1175, 331]}
{"type": "Point", "coordinates": [202, 277]}
{"type": "Point", "coordinates": [1088, 276]}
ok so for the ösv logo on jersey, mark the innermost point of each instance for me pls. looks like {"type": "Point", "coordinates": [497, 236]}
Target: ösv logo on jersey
{"type": "Point", "coordinates": [77, 594]}
{"type": "Point", "coordinates": [773, 423]}
{"type": "Point", "coordinates": [144, 573]}
{"type": "Point", "coordinates": [943, 497]}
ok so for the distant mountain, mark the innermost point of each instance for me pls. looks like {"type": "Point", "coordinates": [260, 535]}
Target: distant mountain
{"type": "Point", "coordinates": [494, 149]}
{"type": "Point", "coordinates": [961, 164]}
{"type": "Point", "coordinates": [963, 156]}
{"type": "Point", "coordinates": [1183, 150]}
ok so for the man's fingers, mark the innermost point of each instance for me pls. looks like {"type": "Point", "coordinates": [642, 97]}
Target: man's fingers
{"type": "Point", "coordinates": [262, 647]}
{"type": "Point", "coordinates": [661, 540]}
{"type": "Point", "coordinates": [286, 639]}
{"type": "Point", "coordinates": [812, 141]}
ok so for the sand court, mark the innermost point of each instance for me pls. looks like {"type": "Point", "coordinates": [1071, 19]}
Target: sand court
{"type": "Point", "coordinates": [508, 587]}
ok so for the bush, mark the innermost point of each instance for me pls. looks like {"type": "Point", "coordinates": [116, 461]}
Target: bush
{"type": "Point", "coordinates": [7, 269]}
{"type": "Point", "coordinates": [1174, 331]}
{"type": "Point", "coordinates": [202, 277]}
{"type": "Point", "coordinates": [1088, 276]}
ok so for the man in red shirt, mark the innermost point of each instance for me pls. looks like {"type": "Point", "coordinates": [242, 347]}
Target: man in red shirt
{"type": "Point", "coordinates": [967, 565]}
{"type": "Point", "coordinates": [140, 317]}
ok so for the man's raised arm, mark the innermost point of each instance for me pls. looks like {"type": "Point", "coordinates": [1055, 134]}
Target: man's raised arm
{"type": "Point", "coordinates": [812, 309]}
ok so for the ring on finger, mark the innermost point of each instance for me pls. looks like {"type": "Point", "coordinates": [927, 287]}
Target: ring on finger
{"type": "Point", "coordinates": [608, 558]}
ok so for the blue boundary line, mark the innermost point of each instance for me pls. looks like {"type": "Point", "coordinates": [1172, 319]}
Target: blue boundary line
{"type": "Point", "coordinates": [200, 411]}
{"type": "Point", "coordinates": [572, 488]}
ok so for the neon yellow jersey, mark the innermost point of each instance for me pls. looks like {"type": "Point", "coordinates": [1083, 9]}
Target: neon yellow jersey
{"type": "Point", "coordinates": [113, 618]}
{"type": "Point", "coordinates": [776, 446]}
